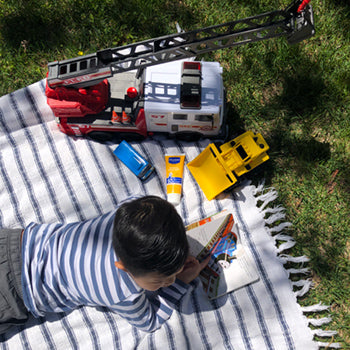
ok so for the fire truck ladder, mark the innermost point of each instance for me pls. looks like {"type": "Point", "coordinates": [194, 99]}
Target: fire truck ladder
{"type": "Point", "coordinates": [91, 69]}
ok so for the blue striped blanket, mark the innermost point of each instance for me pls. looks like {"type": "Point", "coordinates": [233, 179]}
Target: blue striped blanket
{"type": "Point", "coordinates": [46, 176]}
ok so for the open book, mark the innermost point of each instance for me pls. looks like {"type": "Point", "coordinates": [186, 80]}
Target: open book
{"type": "Point", "coordinates": [231, 266]}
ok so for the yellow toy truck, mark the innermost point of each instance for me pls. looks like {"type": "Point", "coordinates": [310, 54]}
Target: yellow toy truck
{"type": "Point", "coordinates": [218, 169]}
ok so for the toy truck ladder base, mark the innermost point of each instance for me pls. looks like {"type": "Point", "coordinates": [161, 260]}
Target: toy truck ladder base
{"type": "Point", "coordinates": [218, 169]}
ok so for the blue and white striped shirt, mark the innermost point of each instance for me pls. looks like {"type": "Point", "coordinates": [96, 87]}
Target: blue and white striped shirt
{"type": "Point", "coordinates": [69, 265]}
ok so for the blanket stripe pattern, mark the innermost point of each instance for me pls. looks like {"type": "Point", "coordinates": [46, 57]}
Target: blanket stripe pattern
{"type": "Point", "coordinates": [47, 176]}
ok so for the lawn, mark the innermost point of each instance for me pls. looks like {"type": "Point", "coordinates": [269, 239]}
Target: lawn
{"type": "Point", "coordinates": [297, 96]}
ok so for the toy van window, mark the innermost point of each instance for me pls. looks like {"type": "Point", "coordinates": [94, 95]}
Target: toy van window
{"type": "Point", "coordinates": [204, 117]}
{"type": "Point", "coordinates": [242, 153]}
{"type": "Point", "coordinates": [145, 170]}
{"type": "Point", "coordinates": [180, 116]}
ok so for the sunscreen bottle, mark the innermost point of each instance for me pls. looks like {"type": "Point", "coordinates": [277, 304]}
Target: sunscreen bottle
{"type": "Point", "coordinates": [174, 174]}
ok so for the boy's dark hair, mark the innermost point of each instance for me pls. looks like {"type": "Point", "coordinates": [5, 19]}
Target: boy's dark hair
{"type": "Point", "coordinates": [149, 236]}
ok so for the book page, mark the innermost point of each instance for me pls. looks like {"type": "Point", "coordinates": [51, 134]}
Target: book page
{"type": "Point", "coordinates": [240, 272]}
{"type": "Point", "coordinates": [231, 266]}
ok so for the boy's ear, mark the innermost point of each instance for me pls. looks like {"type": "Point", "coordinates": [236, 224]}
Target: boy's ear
{"type": "Point", "coordinates": [120, 265]}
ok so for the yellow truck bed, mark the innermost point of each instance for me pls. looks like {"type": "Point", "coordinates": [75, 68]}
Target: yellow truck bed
{"type": "Point", "coordinates": [216, 170]}
{"type": "Point", "coordinates": [210, 172]}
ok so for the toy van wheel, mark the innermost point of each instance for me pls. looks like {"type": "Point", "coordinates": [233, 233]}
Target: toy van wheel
{"type": "Point", "coordinates": [101, 136]}
{"type": "Point", "coordinates": [188, 136]}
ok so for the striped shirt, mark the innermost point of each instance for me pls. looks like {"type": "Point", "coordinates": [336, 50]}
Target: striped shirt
{"type": "Point", "coordinates": [69, 265]}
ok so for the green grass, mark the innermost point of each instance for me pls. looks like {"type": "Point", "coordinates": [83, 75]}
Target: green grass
{"type": "Point", "coordinates": [296, 96]}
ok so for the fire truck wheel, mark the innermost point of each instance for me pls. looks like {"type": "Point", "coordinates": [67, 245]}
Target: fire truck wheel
{"type": "Point", "coordinates": [188, 136]}
{"type": "Point", "coordinates": [101, 136]}
{"type": "Point", "coordinates": [130, 136]}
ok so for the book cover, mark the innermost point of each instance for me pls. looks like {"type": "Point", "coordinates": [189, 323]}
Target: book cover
{"type": "Point", "coordinates": [231, 266]}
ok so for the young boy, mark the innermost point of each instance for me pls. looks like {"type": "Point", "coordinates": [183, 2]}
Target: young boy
{"type": "Point", "coordinates": [115, 261]}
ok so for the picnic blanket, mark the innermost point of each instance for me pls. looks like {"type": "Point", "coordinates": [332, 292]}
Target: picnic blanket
{"type": "Point", "coordinates": [47, 176]}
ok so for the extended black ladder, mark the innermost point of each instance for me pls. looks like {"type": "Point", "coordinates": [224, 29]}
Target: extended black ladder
{"type": "Point", "coordinates": [90, 69]}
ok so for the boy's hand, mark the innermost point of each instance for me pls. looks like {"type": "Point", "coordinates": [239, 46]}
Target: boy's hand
{"type": "Point", "coordinates": [192, 269]}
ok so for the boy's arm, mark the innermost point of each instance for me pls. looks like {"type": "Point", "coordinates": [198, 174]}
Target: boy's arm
{"type": "Point", "coordinates": [149, 310]}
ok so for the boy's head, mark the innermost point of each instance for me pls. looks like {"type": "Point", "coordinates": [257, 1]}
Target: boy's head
{"type": "Point", "coordinates": [149, 238]}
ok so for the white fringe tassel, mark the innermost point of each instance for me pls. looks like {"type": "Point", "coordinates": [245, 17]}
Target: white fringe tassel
{"type": "Point", "coordinates": [329, 345]}
{"type": "Point", "coordinates": [302, 271]}
{"type": "Point", "coordinates": [305, 287]}
{"type": "Point", "coordinates": [280, 227]}
{"type": "Point", "coordinates": [315, 308]}
{"type": "Point", "coordinates": [276, 215]}
{"type": "Point", "coordinates": [293, 259]}
{"type": "Point", "coordinates": [316, 322]}
{"type": "Point", "coordinates": [267, 198]}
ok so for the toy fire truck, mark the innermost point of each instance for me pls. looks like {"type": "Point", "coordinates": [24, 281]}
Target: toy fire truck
{"type": "Point", "coordinates": [155, 85]}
